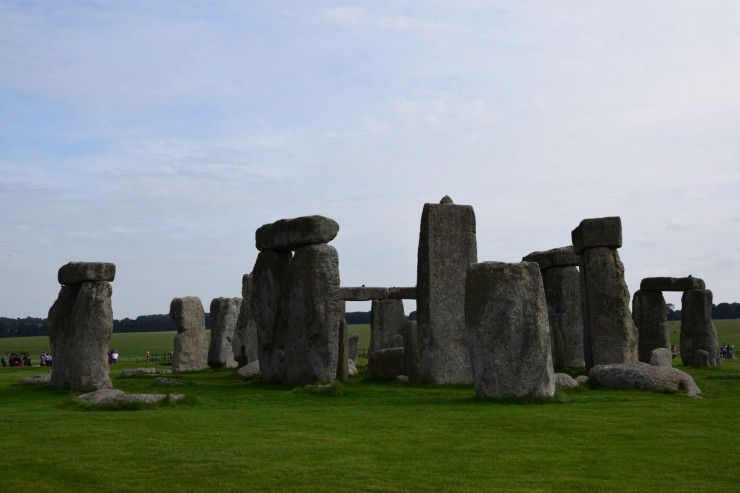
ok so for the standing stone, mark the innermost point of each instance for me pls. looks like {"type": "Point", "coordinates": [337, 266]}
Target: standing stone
{"type": "Point", "coordinates": [698, 334]}
{"type": "Point", "coordinates": [387, 364]}
{"type": "Point", "coordinates": [343, 351]}
{"type": "Point", "coordinates": [609, 333]}
{"type": "Point", "coordinates": [563, 294]}
{"type": "Point", "coordinates": [313, 316]}
{"type": "Point", "coordinates": [224, 314]}
{"type": "Point", "coordinates": [411, 351]}
{"type": "Point", "coordinates": [508, 331]}
{"type": "Point", "coordinates": [650, 314]}
{"type": "Point", "coordinates": [191, 341]}
{"type": "Point", "coordinates": [447, 246]}
{"type": "Point", "coordinates": [245, 344]}
{"type": "Point", "coordinates": [270, 277]}
{"type": "Point", "coordinates": [354, 342]}
{"type": "Point", "coordinates": [386, 321]}
{"type": "Point", "coordinates": [80, 326]}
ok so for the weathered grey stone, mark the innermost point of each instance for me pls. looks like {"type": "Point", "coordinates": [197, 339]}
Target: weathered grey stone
{"type": "Point", "coordinates": [642, 376]}
{"type": "Point", "coordinates": [402, 379]}
{"type": "Point", "coordinates": [80, 326]}
{"type": "Point", "coordinates": [368, 294]}
{"type": "Point", "coordinates": [101, 396]}
{"type": "Point", "coordinates": [191, 341]}
{"type": "Point", "coordinates": [671, 283]}
{"type": "Point", "coordinates": [397, 340]}
{"type": "Point", "coordinates": [45, 378]}
{"type": "Point", "coordinates": [697, 330]}
{"type": "Point", "coordinates": [78, 272]}
{"type": "Point", "coordinates": [599, 232]}
{"type": "Point", "coordinates": [313, 316]}
{"type": "Point", "coordinates": [661, 357]}
{"type": "Point", "coordinates": [387, 364]}
{"type": "Point", "coordinates": [245, 344]}
{"type": "Point", "coordinates": [557, 257]}
{"type": "Point", "coordinates": [167, 382]}
{"type": "Point", "coordinates": [270, 281]}
{"type": "Point", "coordinates": [354, 342]}
{"type": "Point", "coordinates": [508, 332]}
{"type": "Point", "coordinates": [609, 333]}
{"type": "Point", "coordinates": [386, 320]}
{"type": "Point", "coordinates": [224, 315]}
{"type": "Point", "coordinates": [114, 396]}
{"type": "Point", "coordinates": [351, 368]}
{"type": "Point", "coordinates": [250, 370]}
{"type": "Point", "coordinates": [563, 381]}
{"type": "Point", "coordinates": [650, 314]}
{"type": "Point", "coordinates": [447, 246]}
{"type": "Point", "coordinates": [292, 234]}
{"type": "Point", "coordinates": [582, 379]}
{"type": "Point", "coordinates": [446, 200]}
{"type": "Point", "coordinates": [343, 350]}
{"type": "Point", "coordinates": [565, 315]}
{"type": "Point", "coordinates": [411, 351]}
{"type": "Point", "coordinates": [702, 358]}
{"type": "Point", "coordinates": [135, 372]}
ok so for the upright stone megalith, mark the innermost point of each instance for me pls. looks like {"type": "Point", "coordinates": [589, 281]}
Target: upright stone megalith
{"type": "Point", "coordinates": [650, 314]}
{"type": "Point", "coordinates": [80, 326]}
{"type": "Point", "coordinates": [386, 320]}
{"type": "Point", "coordinates": [563, 295]}
{"type": "Point", "coordinates": [191, 342]}
{"type": "Point", "coordinates": [224, 315]}
{"type": "Point", "coordinates": [244, 345]}
{"type": "Point", "coordinates": [609, 333]}
{"type": "Point", "coordinates": [699, 345]}
{"type": "Point", "coordinates": [447, 246]}
{"type": "Point", "coordinates": [508, 331]}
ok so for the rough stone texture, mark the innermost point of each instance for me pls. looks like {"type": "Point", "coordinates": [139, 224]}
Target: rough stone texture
{"type": "Point", "coordinates": [135, 372]}
{"type": "Point", "coordinates": [411, 350]}
{"type": "Point", "coordinates": [650, 314]}
{"type": "Point", "coordinates": [245, 344]}
{"type": "Point", "coordinates": [557, 257]}
{"type": "Point", "coordinates": [508, 331]}
{"type": "Point", "coordinates": [369, 294]}
{"type": "Point", "coordinates": [351, 368]}
{"type": "Point", "coordinates": [167, 382]}
{"type": "Point", "coordinates": [600, 232]}
{"type": "Point", "coordinates": [565, 315]}
{"type": "Point", "coordinates": [270, 282]}
{"type": "Point", "coordinates": [642, 376]}
{"type": "Point", "coordinates": [252, 369]}
{"type": "Point", "coordinates": [386, 320]}
{"type": "Point", "coordinates": [354, 342]}
{"type": "Point", "coordinates": [75, 273]}
{"type": "Point", "coordinates": [661, 357]}
{"type": "Point", "coordinates": [564, 381]}
{"type": "Point", "coordinates": [224, 314]}
{"type": "Point", "coordinates": [671, 283]}
{"type": "Point", "coordinates": [45, 378]}
{"type": "Point", "coordinates": [387, 364]}
{"type": "Point", "coordinates": [609, 333]}
{"type": "Point", "coordinates": [582, 379]}
{"type": "Point", "coordinates": [697, 331]}
{"type": "Point", "coordinates": [114, 396]}
{"type": "Point", "coordinates": [447, 246]}
{"type": "Point", "coordinates": [313, 315]}
{"type": "Point", "coordinates": [191, 341]}
{"type": "Point", "coordinates": [343, 349]}
{"type": "Point", "coordinates": [702, 358]}
{"type": "Point", "coordinates": [80, 326]}
{"type": "Point", "coordinates": [292, 234]}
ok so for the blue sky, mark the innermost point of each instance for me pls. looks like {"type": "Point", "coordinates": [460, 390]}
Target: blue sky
{"type": "Point", "coordinates": [160, 135]}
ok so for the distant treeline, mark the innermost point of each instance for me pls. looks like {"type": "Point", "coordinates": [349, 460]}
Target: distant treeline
{"type": "Point", "coordinates": [29, 326]}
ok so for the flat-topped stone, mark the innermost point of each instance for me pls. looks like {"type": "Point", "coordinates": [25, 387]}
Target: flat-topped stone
{"type": "Point", "coordinates": [671, 283]}
{"type": "Point", "coordinates": [290, 234]}
{"type": "Point", "coordinates": [598, 232]}
{"type": "Point", "coordinates": [369, 294]}
{"type": "Point", "coordinates": [557, 257]}
{"type": "Point", "coordinates": [78, 272]}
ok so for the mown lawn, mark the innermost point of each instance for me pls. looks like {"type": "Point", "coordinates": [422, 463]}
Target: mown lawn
{"type": "Point", "coordinates": [245, 436]}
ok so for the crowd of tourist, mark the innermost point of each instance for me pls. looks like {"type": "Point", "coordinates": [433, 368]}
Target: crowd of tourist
{"type": "Point", "coordinates": [16, 359]}
{"type": "Point", "coordinates": [112, 357]}
{"type": "Point", "coordinates": [727, 351]}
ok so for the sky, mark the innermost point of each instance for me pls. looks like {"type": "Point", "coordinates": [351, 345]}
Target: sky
{"type": "Point", "coordinates": [160, 135]}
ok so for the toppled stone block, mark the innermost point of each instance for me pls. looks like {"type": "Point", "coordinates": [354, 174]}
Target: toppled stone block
{"type": "Point", "coordinates": [601, 232]}
{"type": "Point", "coordinates": [661, 357]}
{"type": "Point", "coordinates": [45, 378]}
{"type": "Point", "coordinates": [671, 283]}
{"type": "Point", "coordinates": [167, 382]}
{"type": "Point", "coordinates": [387, 364]}
{"type": "Point", "coordinates": [557, 257]}
{"type": "Point", "coordinates": [564, 381]}
{"type": "Point", "coordinates": [642, 376]}
{"type": "Point", "coordinates": [135, 372]}
{"type": "Point", "coordinates": [249, 370]}
{"type": "Point", "coordinates": [115, 396]}
{"type": "Point", "coordinates": [78, 272]}
{"type": "Point", "coordinates": [291, 234]}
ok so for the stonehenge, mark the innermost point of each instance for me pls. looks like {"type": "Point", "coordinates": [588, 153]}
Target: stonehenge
{"type": "Point", "coordinates": [80, 326]}
{"type": "Point", "coordinates": [386, 321]}
{"type": "Point", "coordinates": [244, 343]}
{"type": "Point", "coordinates": [191, 342]}
{"type": "Point", "coordinates": [224, 314]}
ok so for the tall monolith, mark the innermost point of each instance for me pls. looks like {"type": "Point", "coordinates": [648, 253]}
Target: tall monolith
{"type": "Point", "coordinates": [191, 341]}
{"type": "Point", "coordinates": [224, 315]}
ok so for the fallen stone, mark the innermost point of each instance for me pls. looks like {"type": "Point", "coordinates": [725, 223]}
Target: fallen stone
{"type": "Point", "coordinates": [402, 379]}
{"type": "Point", "coordinates": [101, 396]}
{"type": "Point", "coordinates": [387, 364]}
{"type": "Point", "coordinates": [582, 379]}
{"type": "Point", "coordinates": [661, 357]}
{"type": "Point", "coordinates": [564, 381]}
{"type": "Point", "coordinates": [599, 232]}
{"type": "Point", "coordinates": [671, 283]}
{"type": "Point", "coordinates": [45, 378]}
{"type": "Point", "coordinates": [291, 234]}
{"type": "Point", "coordinates": [75, 273]}
{"type": "Point", "coordinates": [642, 376]}
{"type": "Point", "coordinates": [144, 371]}
{"type": "Point", "coordinates": [249, 370]}
{"type": "Point", "coordinates": [557, 257]}
{"type": "Point", "coordinates": [168, 382]}
{"type": "Point", "coordinates": [115, 396]}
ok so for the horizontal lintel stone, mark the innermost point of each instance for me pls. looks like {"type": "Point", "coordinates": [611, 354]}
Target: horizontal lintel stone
{"type": "Point", "coordinates": [78, 272]}
{"type": "Point", "coordinates": [368, 294]}
{"type": "Point", "coordinates": [290, 234]}
{"type": "Point", "coordinates": [599, 232]}
{"type": "Point", "coordinates": [557, 257]}
{"type": "Point", "coordinates": [671, 283]}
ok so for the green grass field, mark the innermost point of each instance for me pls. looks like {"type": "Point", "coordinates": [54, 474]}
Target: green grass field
{"type": "Point", "coordinates": [245, 436]}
